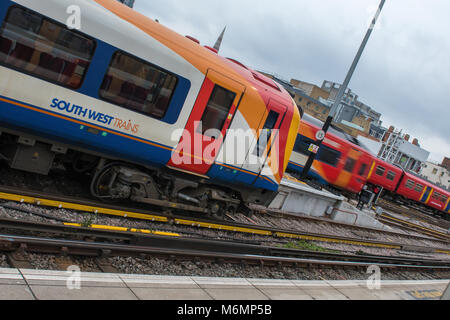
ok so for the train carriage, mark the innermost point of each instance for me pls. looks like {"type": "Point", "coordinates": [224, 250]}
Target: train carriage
{"type": "Point", "coordinates": [150, 109]}
{"type": "Point", "coordinates": [423, 192]}
{"type": "Point", "coordinates": [385, 175]}
{"type": "Point", "coordinates": [339, 162]}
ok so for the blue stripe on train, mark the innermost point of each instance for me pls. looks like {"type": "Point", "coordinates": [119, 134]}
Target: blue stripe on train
{"type": "Point", "coordinates": [68, 132]}
{"type": "Point", "coordinates": [426, 194]}
{"type": "Point", "coordinates": [236, 175]}
{"type": "Point", "coordinates": [110, 143]}
{"type": "Point", "coordinates": [298, 168]}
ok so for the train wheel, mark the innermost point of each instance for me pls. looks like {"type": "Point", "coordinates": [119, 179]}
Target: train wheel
{"type": "Point", "coordinates": [106, 186]}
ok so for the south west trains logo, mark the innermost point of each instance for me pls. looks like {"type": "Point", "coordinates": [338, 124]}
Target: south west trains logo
{"type": "Point", "coordinates": [94, 115]}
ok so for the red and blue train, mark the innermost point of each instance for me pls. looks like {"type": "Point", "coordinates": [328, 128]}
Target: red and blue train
{"type": "Point", "coordinates": [343, 162]}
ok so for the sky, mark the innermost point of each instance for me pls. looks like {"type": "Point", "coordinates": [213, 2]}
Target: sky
{"type": "Point", "coordinates": [404, 72]}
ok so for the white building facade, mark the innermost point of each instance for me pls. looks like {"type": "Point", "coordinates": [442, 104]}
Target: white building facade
{"type": "Point", "coordinates": [436, 174]}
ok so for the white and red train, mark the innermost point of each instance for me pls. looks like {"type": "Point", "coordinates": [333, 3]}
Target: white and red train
{"type": "Point", "coordinates": [151, 114]}
{"type": "Point", "coordinates": [148, 112]}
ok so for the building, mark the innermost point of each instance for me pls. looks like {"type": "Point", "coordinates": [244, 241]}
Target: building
{"type": "Point", "coordinates": [397, 149]}
{"type": "Point", "coordinates": [129, 3]}
{"type": "Point", "coordinates": [446, 163]}
{"type": "Point", "coordinates": [351, 112]}
{"type": "Point", "coordinates": [437, 174]}
{"type": "Point", "coordinates": [354, 117]}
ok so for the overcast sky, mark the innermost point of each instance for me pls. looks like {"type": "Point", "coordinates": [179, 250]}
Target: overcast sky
{"type": "Point", "coordinates": [404, 72]}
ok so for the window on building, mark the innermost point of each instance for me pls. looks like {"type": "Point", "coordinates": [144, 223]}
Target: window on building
{"type": "Point", "coordinates": [137, 85]}
{"type": "Point", "coordinates": [300, 99]}
{"type": "Point", "coordinates": [266, 133]}
{"type": "Point", "coordinates": [350, 165]}
{"type": "Point", "coordinates": [391, 175]}
{"type": "Point", "coordinates": [435, 171]}
{"type": "Point", "coordinates": [380, 171]}
{"type": "Point", "coordinates": [36, 45]}
{"type": "Point", "coordinates": [410, 184]}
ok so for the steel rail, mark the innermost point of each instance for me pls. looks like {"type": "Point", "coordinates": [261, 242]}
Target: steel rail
{"type": "Point", "coordinates": [175, 241]}
{"type": "Point", "coordinates": [386, 218]}
{"type": "Point", "coordinates": [240, 255]}
{"type": "Point", "coordinates": [414, 213]}
{"type": "Point", "coordinates": [94, 207]}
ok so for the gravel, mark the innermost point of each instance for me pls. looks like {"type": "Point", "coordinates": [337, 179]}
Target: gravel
{"type": "Point", "coordinates": [54, 183]}
{"type": "Point", "coordinates": [166, 267]}
{"type": "Point", "coordinates": [3, 261]}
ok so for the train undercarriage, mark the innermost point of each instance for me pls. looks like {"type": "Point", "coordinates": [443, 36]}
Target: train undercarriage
{"type": "Point", "coordinates": [113, 180]}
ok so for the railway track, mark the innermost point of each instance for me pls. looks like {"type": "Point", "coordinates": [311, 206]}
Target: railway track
{"type": "Point", "coordinates": [412, 212]}
{"type": "Point", "coordinates": [95, 207]}
{"type": "Point", "coordinates": [70, 240]}
{"type": "Point", "coordinates": [388, 219]}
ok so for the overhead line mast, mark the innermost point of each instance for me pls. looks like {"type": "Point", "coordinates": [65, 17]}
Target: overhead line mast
{"type": "Point", "coordinates": [320, 137]}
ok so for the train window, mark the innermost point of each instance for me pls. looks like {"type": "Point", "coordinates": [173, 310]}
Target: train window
{"type": "Point", "coordinates": [380, 171]}
{"type": "Point", "coordinates": [329, 156]}
{"type": "Point", "coordinates": [35, 45]}
{"type": "Point", "coordinates": [390, 175]}
{"type": "Point", "coordinates": [419, 187]}
{"type": "Point", "coordinates": [266, 132]}
{"type": "Point", "coordinates": [302, 145]}
{"type": "Point", "coordinates": [410, 184]}
{"type": "Point", "coordinates": [137, 85]}
{"type": "Point", "coordinates": [325, 154]}
{"type": "Point", "coordinates": [362, 170]}
{"type": "Point", "coordinates": [350, 165]}
{"type": "Point", "coordinates": [217, 109]}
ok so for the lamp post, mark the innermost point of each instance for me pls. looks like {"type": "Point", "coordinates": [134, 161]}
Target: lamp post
{"type": "Point", "coordinates": [321, 135]}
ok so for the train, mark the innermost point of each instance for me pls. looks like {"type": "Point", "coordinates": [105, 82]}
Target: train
{"type": "Point", "coordinates": [153, 116]}
{"type": "Point", "coordinates": [346, 165]}
{"type": "Point", "coordinates": [148, 114]}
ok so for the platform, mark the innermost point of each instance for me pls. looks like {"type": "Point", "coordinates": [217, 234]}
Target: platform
{"type": "Point", "coordinates": [298, 198]}
{"type": "Point", "coordinates": [22, 284]}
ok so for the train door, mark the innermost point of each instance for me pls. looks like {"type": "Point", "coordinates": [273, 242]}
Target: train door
{"type": "Point", "coordinates": [262, 147]}
{"type": "Point", "coordinates": [206, 128]}
{"type": "Point", "coordinates": [426, 195]}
